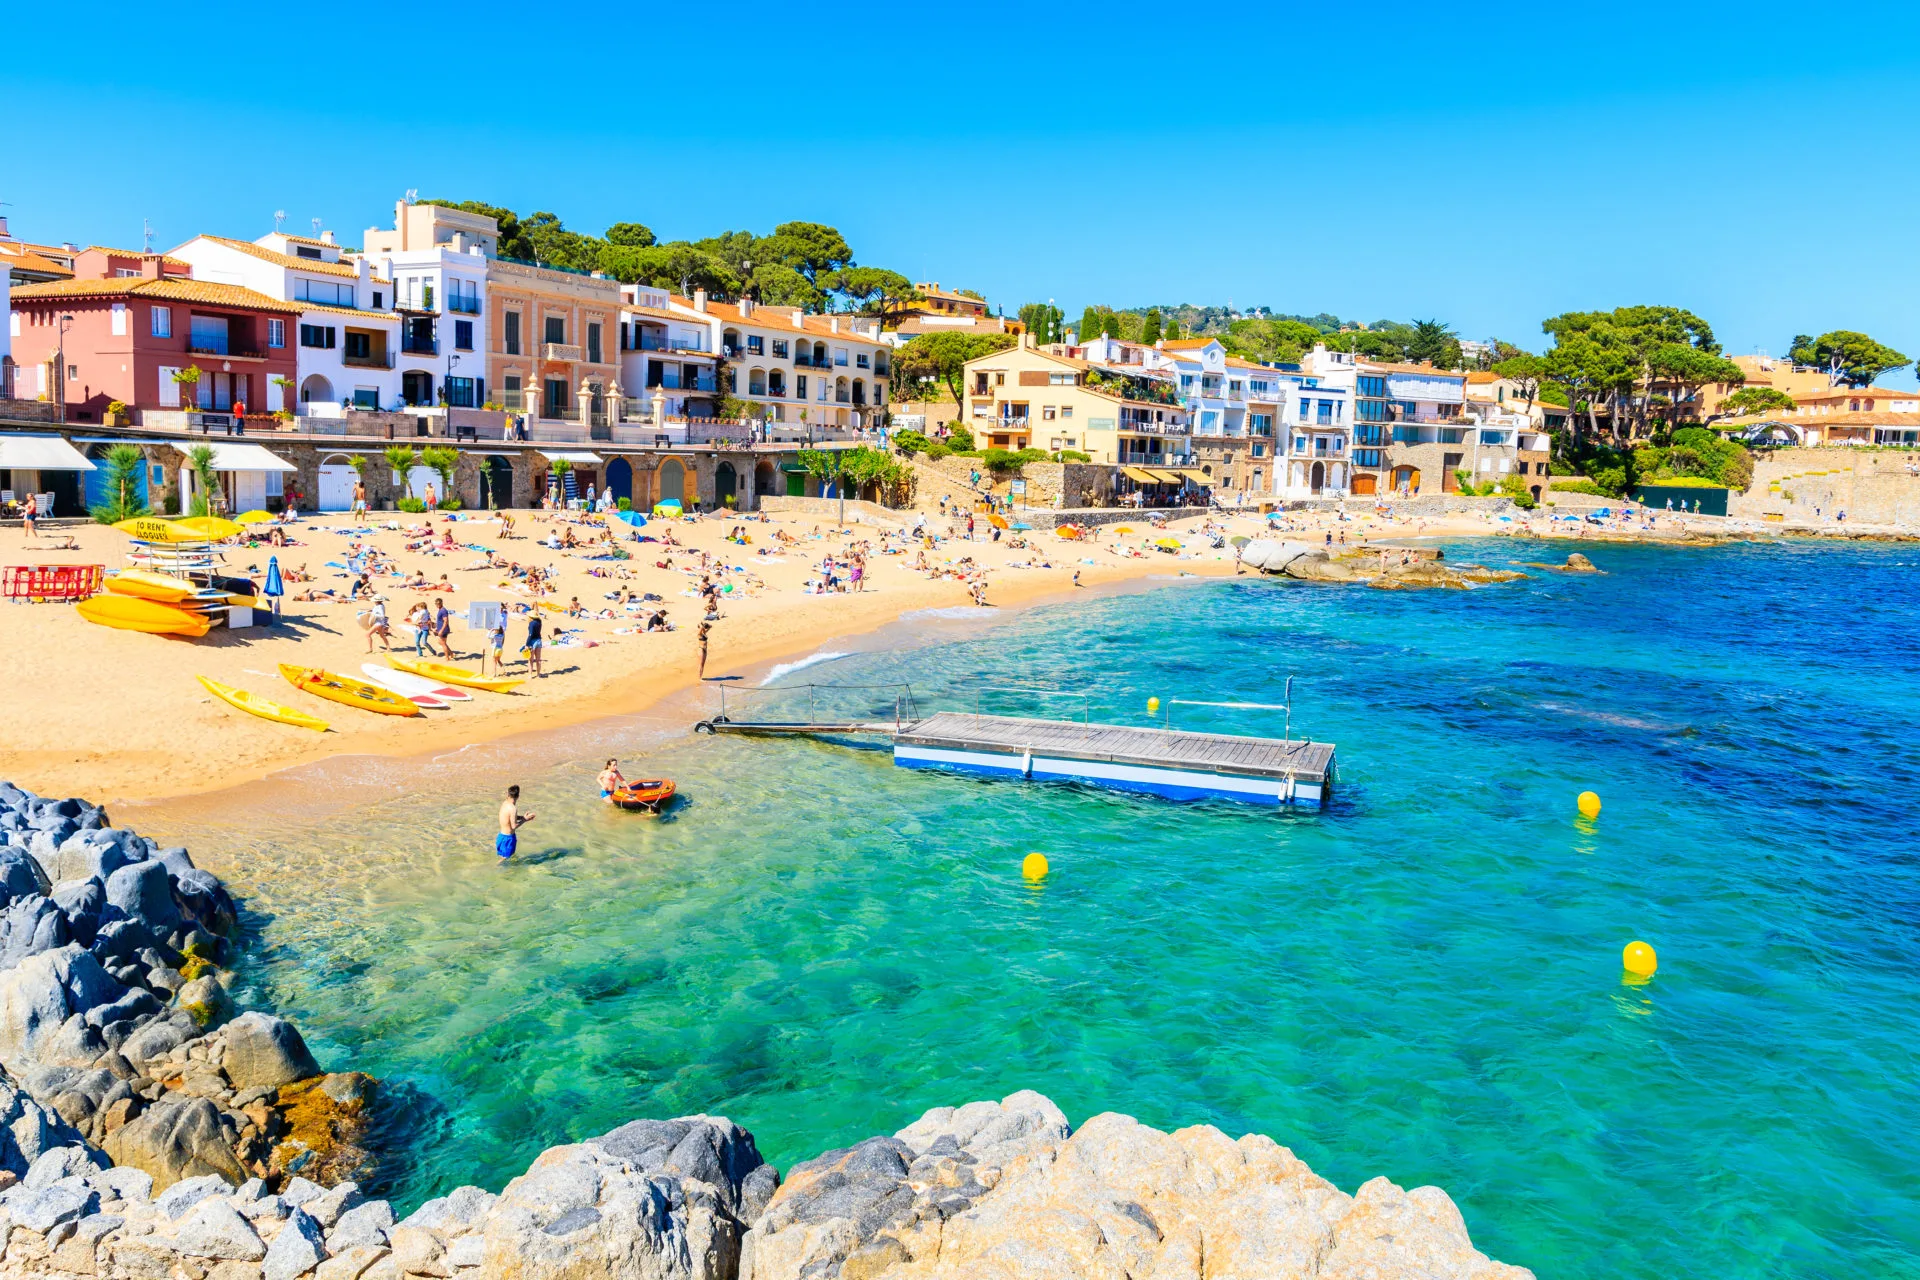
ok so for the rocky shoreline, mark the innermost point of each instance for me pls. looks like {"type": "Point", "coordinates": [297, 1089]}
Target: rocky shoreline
{"type": "Point", "coordinates": [148, 1130]}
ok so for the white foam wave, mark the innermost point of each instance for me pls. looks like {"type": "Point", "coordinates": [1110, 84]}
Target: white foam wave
{"type": "Point", "coordinates": [788, 668]}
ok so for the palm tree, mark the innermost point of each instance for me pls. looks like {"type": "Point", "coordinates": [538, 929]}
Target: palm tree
{"type": "Point", "coordinates": [444, 460]}
{"type": "Point", "coordinates": [124, 462]}
{"type": "Point", "coordinates": [200, 459]}
{"type": "Point", "coordinates": [402, 458]}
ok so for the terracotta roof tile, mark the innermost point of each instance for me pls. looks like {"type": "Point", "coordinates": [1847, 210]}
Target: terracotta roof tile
{"type": "Point", "coordinates": [28, 260]}
{"type": "Point", "coordinates": [135, 253]}
{"type": "Point", "coordinates": [291, 260]}
{"type": "Point", "coordinates": [164, 290]}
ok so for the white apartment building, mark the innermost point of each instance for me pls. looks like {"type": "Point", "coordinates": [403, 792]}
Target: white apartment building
{"type": "Point", "coordinates": [437, 261]}
{"type": "Point", "coordinates": [665, 356]}
{"type": "Point", "coordinates": [809, 372]}
{"type": "Point", "coordinates": [347, 334]}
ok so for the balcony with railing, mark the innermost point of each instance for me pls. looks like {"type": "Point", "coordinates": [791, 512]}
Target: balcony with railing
{"type": "Point", "coordinates": [368, 360]}
{"type": "Point", "coordinates": [564, 351]}
{"type": "Point", "coordinates": [672, 381]}
{"type": "Point", "coordinates": [224, 351]}
{"type": "Point", "coordinates": [464, 305]}
{"type": "Point", "coordinates": [413, 346]}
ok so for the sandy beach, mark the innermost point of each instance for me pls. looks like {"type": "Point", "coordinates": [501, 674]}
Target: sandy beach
{"type": "Point", "coordinates": [118, 715]}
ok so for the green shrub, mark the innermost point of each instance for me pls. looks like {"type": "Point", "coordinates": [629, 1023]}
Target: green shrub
{"type": "Point", "coordinates": [959, 439]}
{"type": "Point", "coordinates": [911, 442]}
{"type": "Point", "coordinates": [1072, 455]}
{"type": "Point", "coordinates": [1004, 459]}
{"type": "Point", "coordinates": [1578, 486]}
{"type": "Point", "coordinates": [449, 503]}
{"type": "Point", "coordinates": [623, 504]}
{"type": "Point", "coordinates": [1514, 485]}
{"type": "Point", "coordinates": [413, 506]}
{"type": "Point", "coordinates": [937, 451]}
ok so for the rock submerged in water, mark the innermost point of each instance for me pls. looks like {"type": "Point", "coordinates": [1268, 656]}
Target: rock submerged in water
{"type": "Point", "coordinates": [1390, 568]}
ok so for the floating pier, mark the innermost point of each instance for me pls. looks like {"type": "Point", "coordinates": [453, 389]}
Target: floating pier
{"type": "Point", "coordinates": [1172, 763]}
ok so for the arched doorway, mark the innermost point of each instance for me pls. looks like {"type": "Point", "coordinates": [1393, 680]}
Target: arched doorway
{"type": "Point", "coordinates": [1406, 479]}
{"type": "Point", "coordinates": [673, 481]}
{"type": "Point", "coordinates": [496, 483]}
{"type": "Point", "coordinates": [1317, 478]}
{"type": "Point", "coordinates": [725, 483]}
{"type": "Point", "coordinates": [620, 479]}
{"type": "Point", "coordinates": [1363, 482]}
{"type": "Point", "coordinates": [336, 484]}
{"type": "Point", "coordinates": [763, 478]}
{"type": "Point", "coordinates": [315, 390]}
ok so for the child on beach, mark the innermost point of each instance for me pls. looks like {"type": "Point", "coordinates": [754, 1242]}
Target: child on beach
{"type": "Point", "coordinates": [497, 643]}
{"type": "Point", "coordinates": [611, 780]}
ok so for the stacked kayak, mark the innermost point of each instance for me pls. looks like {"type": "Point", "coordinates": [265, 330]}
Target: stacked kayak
{"type": "Point", "coordinates": [458, 676]}
{"type": "Point", "coordinates": [136, 613]}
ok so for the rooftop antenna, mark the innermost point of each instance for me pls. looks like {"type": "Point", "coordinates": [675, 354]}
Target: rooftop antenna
{"type": "Point", "coordinates": [279, 216]}
{"type": "Point", "coordinates": [146, 233]}
{"type": "Point", "coordinates": [316, 228]}
{"type": "Point", "coordinates": [413, 195]}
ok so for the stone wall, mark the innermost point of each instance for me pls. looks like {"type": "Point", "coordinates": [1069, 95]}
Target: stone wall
{"type": "Point", "coordinates": [857, 510]}
{"type": "Point", "coordinates": [1872, 485]}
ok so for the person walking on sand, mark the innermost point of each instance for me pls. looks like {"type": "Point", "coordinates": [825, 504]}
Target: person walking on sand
{"type": "Point", "coordinates": [359, 497]}
{"type": "Point", "coordinates": [511, 820]}
{"type": "Point", "coordinates": [422, 624]}
{"type": "Point", "coordinates": [443, 627]}
{"type": "Point", "coordinates": [29, 513]}
{"type": "Point", "coordinates": [377, 625]}
{"type": "Point", "coordinates": [706, 625]}
{"type": "Point", "coordinates": [611, 780]}
{"type": "Point", "coordinates": [535, 625]}
{"type": "Point", "coordinates": [497, 645]}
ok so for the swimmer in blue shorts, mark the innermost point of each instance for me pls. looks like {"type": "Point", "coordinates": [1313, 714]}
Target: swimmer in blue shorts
{"type": "Point", "coordinates": [511, 820]}
{"type": "Point", "coordinates": [611, 780]}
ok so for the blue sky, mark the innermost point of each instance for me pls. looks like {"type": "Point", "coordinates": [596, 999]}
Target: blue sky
{"type": "Point", "coordinates": [1486, 165]}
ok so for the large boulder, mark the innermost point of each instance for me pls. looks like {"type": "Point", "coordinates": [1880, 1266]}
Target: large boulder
{"type": "Point", "coordinates": [91, 855]}
{"type": "Point", "coordinates": [175, 1138]}
{"type": "Point", "coordinates": [20, 875]}
{"type": "Point", "coordinates": [622, 1210]}
{"type": "Point", "coordinates": [1272, 555]}
{"type": "Point", "coordinates": [265, 1050]}
{"type": "Point", "coordinates": [205, 901]}
{"type": "Point", "coordinates": [28, 1129]}
{"type": "Point", "coordinates": [41, 994]}
{"type": "Point", "coordinates": [29, 926]}
{"type": "Point", "coordinates": [855, 1207]}
{"type": "Point", "coordinates": [144, 892]}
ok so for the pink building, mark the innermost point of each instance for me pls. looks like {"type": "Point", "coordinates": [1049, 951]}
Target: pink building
{"type": "Point", "coordinates": [124, 336]}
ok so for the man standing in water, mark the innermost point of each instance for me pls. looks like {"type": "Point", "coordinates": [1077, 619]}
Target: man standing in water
{"type": "Point", "coordinates": [511, 820]}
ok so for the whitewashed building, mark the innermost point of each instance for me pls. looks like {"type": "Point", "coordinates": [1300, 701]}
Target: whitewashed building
{"type": "Point", "coordinates": [347, 336]}
{"type": "Point", "coordinates": [438, 259]}
{"type": "Point", "coordinates": [666, 357]}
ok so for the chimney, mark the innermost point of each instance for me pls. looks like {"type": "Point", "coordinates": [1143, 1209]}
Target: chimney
{"type": "Point", "coordinates": [699, 299]}
{"type": "Point", "coordinates": [326, 237]}
{"type": "Point", "coordinates": [797, 314]}
{"type": "Point", "coordinates": [834, 324]}
{"type": "Point", "coordinates": [400, 220]}
{"type": "Point", "coordinates": [4, 233]}
{"type": "Point", "coordinates": [1027, 341]}
{"type": "Point", "coordinates": [746, 306]}
{"type": "Point", "coordinates": [459, 242]}
{"type": "Point", "coordinates": [361, 267]}
{"type": "Point", "coordinates": [150, 267]}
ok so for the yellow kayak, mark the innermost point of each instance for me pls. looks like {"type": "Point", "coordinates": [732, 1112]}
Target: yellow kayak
{"type": "Point", "coordinates": [254, 704]}
{"type": "Point", "coordinates": [348, 691]}
{"type": "Point", "coordinates": [131, 613]}
{"type": "Point", "coordinates": [453, 675]}
{"type": "Point", "coordinates": [145, 584]}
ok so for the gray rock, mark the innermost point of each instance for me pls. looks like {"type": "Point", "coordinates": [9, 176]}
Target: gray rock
{"type": "Point", "coordinates": [326, 1209]}
{"type": "Point", "coordinates": [63, 1162]}
{"type": "Point", "coordinates": [174, 1139]}
{"type": "Point", "coordinates": [20, 875]}
{"type": "Point", "coordinates": [365, 1224]}
{"type": "Point", "coordinates": [185, 1194]}
{"type": "Point", "coordinates": [216, 1230]}
{"type": "Point", "coordinates": [174, 860]}
{"type": "Point", "coordinates": [40, 1208]}
{"type": "Point", "coordinates": [134, 1006]}
{"type": "Point", "coordinates": [135, 1186]}
{"type": "Point", "coordinates": [205, 901]}
{"type": "Point", "coordinates": [265, 1050]}
{"type": "Point", "coordinates": [144, 891]}
{"type": "Point", "coordinates": [300, 1247]}
{"type": "Point", "coordinates": [155, 1040]}
{"type": "Point", "coordinates": [265, 1208]}
{"type": "Point", "coordinates": [29, 926]}
{"type": "Point", "coordinates": [39, 995]}
{"type": "Point", "coordinates": [28, 1129]}
{"type": "Point", "coordinates": [471, 1251]}
{"type": "Point", "coordinates": [300, 1191]}
{"type": "Point", "coordinates": [712, 1149]}
{"type": "Point", "coordinates": [91, 855]}
{"type": "Point", "coordinates": [453, 1213]}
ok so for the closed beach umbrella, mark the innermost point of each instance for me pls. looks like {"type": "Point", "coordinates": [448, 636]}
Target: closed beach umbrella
{"type": "Point", "coordinates": [274, 587]}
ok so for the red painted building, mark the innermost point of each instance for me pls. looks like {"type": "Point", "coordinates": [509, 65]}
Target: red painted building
{"type": "Point", "coordinates": [124, 336]}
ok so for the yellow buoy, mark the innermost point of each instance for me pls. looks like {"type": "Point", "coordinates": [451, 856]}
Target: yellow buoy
{"type": "Point", "coordinates": [1638, 958]}
{"type": "Point", "coordinates": [1034, 866]}
{"type": "Point", "coordinates": [1153, 705]}
{"type": "Point", "coordinates": [1589, 804]}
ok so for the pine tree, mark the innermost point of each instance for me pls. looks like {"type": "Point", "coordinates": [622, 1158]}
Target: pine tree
{"type": "Point", "coordinates": [1173, 329]}
{"type": "Point", "coordinates": [1151, 333]}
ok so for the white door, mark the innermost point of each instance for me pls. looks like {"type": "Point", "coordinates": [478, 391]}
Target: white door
{"type": "Point", "coordinates": [249, 491]}
{"type": "Point", "coordinates": [336, 487]}
{"type": "Point", "coordinates": [419, 478]}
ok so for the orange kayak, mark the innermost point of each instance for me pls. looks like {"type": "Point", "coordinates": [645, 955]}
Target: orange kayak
{"type": "Point", "coordinates": [646, 796]}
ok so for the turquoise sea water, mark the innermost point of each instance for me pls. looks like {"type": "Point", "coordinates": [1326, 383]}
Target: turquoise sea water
{"type": "Point", "coordinates": [1422, 982]}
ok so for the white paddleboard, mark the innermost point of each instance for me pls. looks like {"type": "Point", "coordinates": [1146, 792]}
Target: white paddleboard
{"type": "Point", "coordinates": [409, 684]}
{"type": "Point", "coordinates": [425, 701]}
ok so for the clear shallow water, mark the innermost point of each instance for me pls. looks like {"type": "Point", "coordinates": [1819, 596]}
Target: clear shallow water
{"type": "Point", "coordinates": [1422, 982]}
